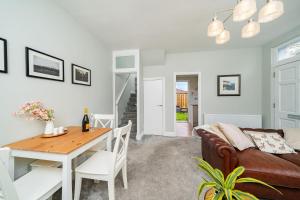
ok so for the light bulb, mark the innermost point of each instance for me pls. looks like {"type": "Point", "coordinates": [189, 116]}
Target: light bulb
{"type": "Point", "coordinates": [223, 37]}
{"type": "Point", "coordinates": [251, 29]}
{"type": "Point", "coordinates": [272, 10]}
{"type": "Point", "coordinates": [215, 27]}
{"type": "Point", "coordinates": [244, 10]}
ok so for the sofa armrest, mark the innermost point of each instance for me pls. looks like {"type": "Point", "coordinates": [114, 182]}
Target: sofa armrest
{"type": "Point", "coordinates": [279, 131]}
{"type": "Point", "coordinates": [217, 152]}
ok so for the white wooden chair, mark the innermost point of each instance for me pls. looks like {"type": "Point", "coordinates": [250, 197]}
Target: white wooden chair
{"type": "Point", "coordinates": [102, 121]}
{"type": "Point", "coordinates": [38, 184]}
{"type": "Point", "coordinates": [105, 165]}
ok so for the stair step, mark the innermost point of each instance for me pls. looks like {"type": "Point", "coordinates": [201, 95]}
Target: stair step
{"type": "Point", "coordinates": [133, 95]}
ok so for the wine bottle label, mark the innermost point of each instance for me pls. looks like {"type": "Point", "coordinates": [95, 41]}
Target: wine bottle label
{"type": "Point", "coordinates": [87, 126]}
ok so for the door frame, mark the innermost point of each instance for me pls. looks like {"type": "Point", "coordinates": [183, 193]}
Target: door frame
{"type": "Point", "coordinates": [163, 101]}
{"type": "Point", "coordinates": [175, 74]}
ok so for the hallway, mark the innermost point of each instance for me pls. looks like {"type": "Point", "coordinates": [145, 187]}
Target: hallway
{"type": "Point", "coordinates": [183, 129]}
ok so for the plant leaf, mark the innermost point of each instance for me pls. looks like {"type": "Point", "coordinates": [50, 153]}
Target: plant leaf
{"type": "Point", "coordinates": [228, 194]}
{"type": "Point", "coordinates": [236, 195]}
{"type": "Point", "coordinates": [243, 195]}
{"type": "Point", "coordinates": [220, 173]}
{"type": "Point", "coordinates": [253, 180]}
{"type": "Point", "coordinates": [204, 185]}
{"type": "Point", "coordinates": [231, 178]}
{"type": "Point", "coordinates": [207, 168]}
{"type": "Point", "coordinates": [219, 196]}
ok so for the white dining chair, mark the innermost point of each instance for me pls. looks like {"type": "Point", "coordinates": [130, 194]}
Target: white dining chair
{"type": "Point", "coordinates": [38, 184]}
{"type": "Point", "coordinates": [102, 121]}
{"type": "Point", "coordinates": [105, 165]}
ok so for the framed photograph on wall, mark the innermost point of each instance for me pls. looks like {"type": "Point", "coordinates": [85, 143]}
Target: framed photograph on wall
{"type": "Point", "coordinates": [42, 65]}
{"type": "Point", "coordinates": [81, 75]}
{"type": "Point", "coordinates": [3, 55]}
{"type": "Point", "coordinates": [229, 85]}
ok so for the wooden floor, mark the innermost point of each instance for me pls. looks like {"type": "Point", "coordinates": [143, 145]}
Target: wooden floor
{"type": "Point", "coordinates": [183, 129]}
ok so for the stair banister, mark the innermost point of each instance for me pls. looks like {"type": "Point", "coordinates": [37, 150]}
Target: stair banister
{"type": "Point", "coordinates": [119, 98]}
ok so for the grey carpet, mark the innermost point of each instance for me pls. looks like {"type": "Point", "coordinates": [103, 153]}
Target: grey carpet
{"type": "Point", "coordinates": [159, 168]}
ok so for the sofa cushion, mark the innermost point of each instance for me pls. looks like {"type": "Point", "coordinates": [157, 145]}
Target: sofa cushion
{"type": "Point", "coordinates": [269, 168]}
{"type": "Point", "coordinates": [235, 136]}
{"type": "Point", "coordinates": [270, 142]}
{"type": "Point", "coordinates": [292, 137]}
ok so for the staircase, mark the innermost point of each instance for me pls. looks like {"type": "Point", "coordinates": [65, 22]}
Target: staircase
{"type": "Point", "coordinates": [131, 113]}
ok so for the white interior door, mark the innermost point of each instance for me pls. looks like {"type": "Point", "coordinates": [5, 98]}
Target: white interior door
{"type": "Point", "coordinates": [287, 96]}
{"type": "Point", "coordinates": [153, 107]}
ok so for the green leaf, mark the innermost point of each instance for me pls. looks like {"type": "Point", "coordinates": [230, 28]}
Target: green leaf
{"type": "Point", "coordinates": [220, 173]}
{"type": "Point", "coordinates": [207, 168]}
{"type": "Point", "coordinates": [204, 185]}
{"type": "Point", "coordinates": [219, 196]}
{"type": "Point", "coordinates": [228, 194]}
{"type": "Point", "coordinates": [231, 178]}
{"type": "Point", "coordinates": [243, 195]}
{"type": "Point", "coordinates": [253, 180]}
{"type": "Point", "coordinates": [236, 196]}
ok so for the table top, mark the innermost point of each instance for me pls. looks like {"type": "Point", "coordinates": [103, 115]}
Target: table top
{"type": "Point", "coordinates": [63, 144]}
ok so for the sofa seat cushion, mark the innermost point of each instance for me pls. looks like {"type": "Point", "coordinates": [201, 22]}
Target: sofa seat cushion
{"type": "Point", "coordinates": [292, 157]}
{"type": "Point", "coordinates": [269, 168]}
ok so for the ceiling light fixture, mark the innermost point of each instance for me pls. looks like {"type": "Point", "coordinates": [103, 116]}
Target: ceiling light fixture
{"type": "Point", "coordinates": [251, 29]}
{"type": "Point", "coordinates": [223, 37]}
{"type": "Point", "coordinates": [271, 11]}
{"type": "Point", "coordinates": [215, 27]}
{"type": "Point", "coordinates": [244, 10]}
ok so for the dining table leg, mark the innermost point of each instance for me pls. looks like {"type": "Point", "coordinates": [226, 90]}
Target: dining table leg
{"type": "Point", "coordinates": [67, 179]}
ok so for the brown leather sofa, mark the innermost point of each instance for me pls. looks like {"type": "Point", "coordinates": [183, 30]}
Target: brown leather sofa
{"type": "Point", "coordinates": [280, 171]}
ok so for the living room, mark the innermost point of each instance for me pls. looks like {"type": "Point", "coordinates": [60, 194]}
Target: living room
{"type": "Point", "coordinates": [119, 61]}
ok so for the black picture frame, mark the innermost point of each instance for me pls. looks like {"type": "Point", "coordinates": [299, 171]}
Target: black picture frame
{"type": "Point", "coordinates": [83, 69]}
{"type": "Point", "coordinates": [42, 70]}
{"type": "Point", "coordinates": [4, 68]}
{"type": "Point", "coordinates": [221, 91]}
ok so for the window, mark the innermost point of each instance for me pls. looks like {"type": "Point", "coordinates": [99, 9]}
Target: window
{"type": "Point", "coordinates": [288, 50]}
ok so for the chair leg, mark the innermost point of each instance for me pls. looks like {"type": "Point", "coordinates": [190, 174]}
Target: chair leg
{"type": "Point", "coordinates": [124, 173]}
{"type": "Point", "coordinates": [111, 189]}
{"type": "Point", "coordinates": [78, 181]}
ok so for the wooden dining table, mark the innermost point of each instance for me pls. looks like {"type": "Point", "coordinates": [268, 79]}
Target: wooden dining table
{"type": "Point", "coordinates": [62, 149]}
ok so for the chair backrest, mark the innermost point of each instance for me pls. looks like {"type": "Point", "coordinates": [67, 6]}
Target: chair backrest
{"type": "Point", "coordinates": [105, 121]}
{"type": "Point", "coordinates": [121, 144]}
{"type": "Point", "coordinates": [6, 184]}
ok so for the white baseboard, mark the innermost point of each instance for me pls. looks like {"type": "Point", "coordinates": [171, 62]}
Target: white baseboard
{"type": "Point", "coordinates": [169, 134]}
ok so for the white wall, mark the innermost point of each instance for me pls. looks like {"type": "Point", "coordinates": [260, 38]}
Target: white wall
{"type": "Point", "coordinates": [246, 62]}
{"type": "Point", "coordinates": [42, 25]}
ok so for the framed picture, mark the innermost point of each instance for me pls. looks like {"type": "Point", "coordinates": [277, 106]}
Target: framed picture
{"type": "Point", "coordinates": [229, 85]}
{"type": "Point", "coordinates": [81, 75]}
{"type": "Point", "coordinates": [3, 55]}
{"type": "Point", "coordinates": [42, 65]}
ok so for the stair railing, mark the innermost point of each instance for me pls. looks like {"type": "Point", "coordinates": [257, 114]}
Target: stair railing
{"type": "Point", "coordinates": [119, 98]}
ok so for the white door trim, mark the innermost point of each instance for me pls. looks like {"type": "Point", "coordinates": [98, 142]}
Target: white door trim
{"type": "Point", "coordinates": [164, 99]}
{"type": "Point", "coordinates": [199, 96]}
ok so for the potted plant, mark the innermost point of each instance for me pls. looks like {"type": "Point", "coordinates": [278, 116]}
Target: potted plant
{"type": "Point", "coordinates": [224, 189]}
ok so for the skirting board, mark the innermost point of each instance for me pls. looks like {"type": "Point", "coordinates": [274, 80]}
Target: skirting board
{"type": "Point", "coordinates": [169, 134]}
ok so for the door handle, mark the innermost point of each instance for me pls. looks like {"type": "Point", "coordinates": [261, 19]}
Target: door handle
{"type": "Point", "coordinates": [294, 116]}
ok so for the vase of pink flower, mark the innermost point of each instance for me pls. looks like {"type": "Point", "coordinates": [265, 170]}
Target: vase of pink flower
{"type": "Point", "coordinates": [36, 111]}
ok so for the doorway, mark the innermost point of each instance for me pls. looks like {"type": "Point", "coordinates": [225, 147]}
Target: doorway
{"type": "Point", "coordinates": [187, 106]}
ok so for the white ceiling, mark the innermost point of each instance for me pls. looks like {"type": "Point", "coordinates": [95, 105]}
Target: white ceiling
{"type": "Point", "coordinates": [173, 25]}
